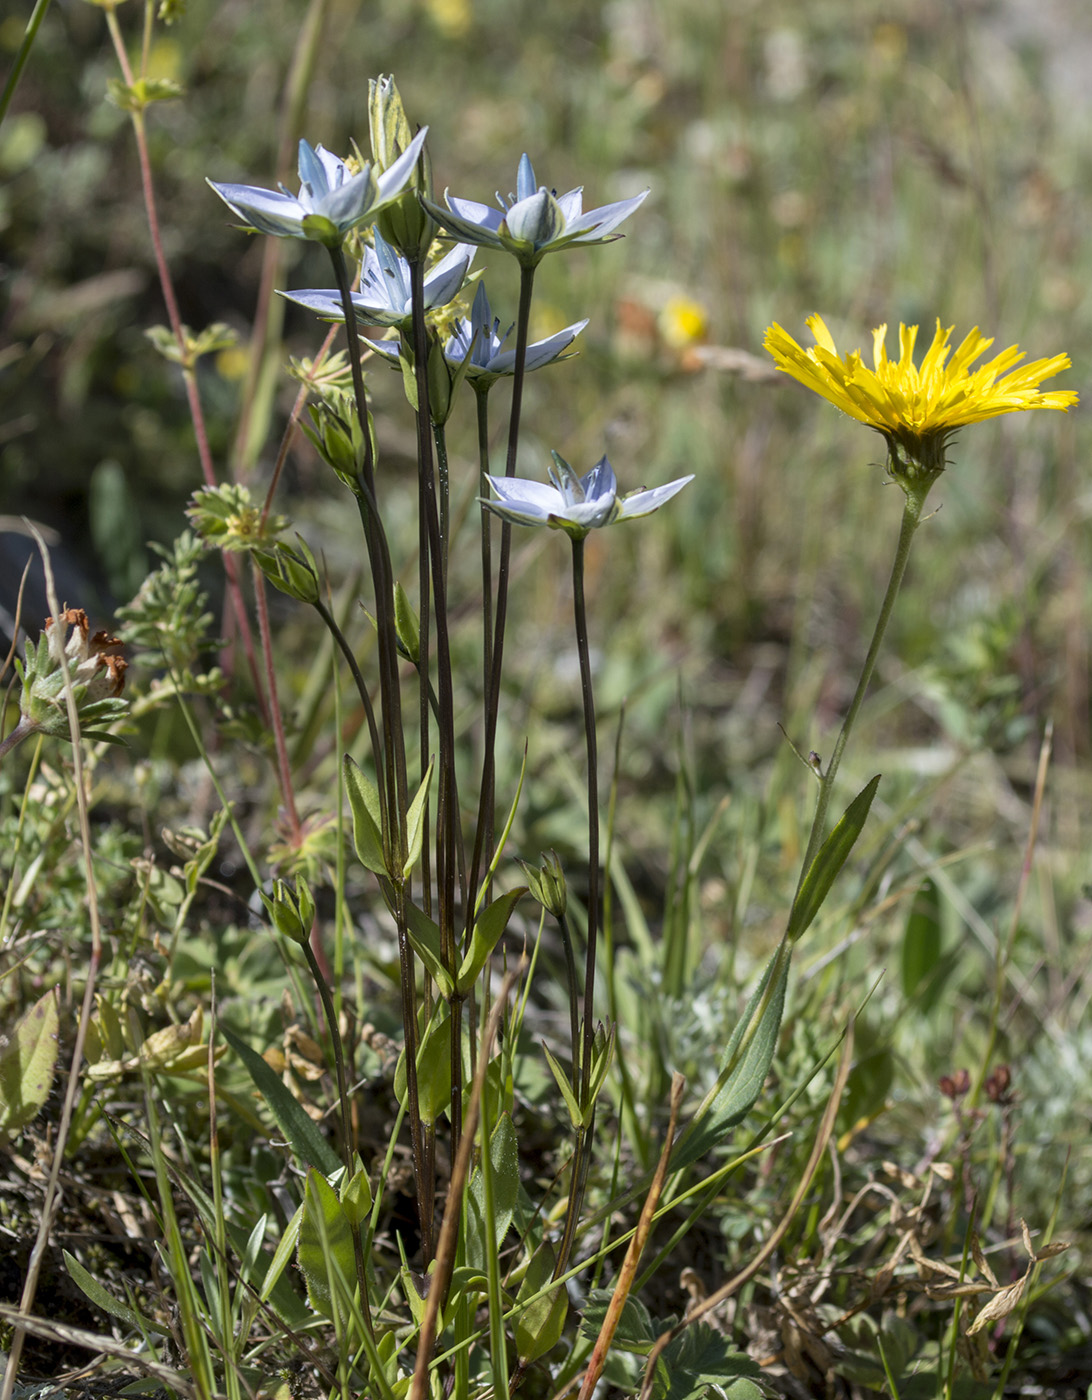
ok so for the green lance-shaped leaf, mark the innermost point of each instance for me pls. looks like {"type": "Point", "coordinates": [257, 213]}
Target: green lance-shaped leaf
{"type": "Point", "coordinates": [433, 1071]}
{"type": "Point", "coordinates": [424, 937]}
{"type": "Point", "coordinates": [921, 939]}
{"type": "Point", "coordinates": [415, 822]}
{"type": "Point", "coordinates": [89, 1285]}
{"type": "Point", "coordinates": [406, 625]}
{"type": "Point", "coordinates": [539, 1326]}
{"type": "Point", "coordinates": [504, 1162]}
{"type": "Point", "coordinates": [356, 1197]}
{"type": "Point", "coordinates": [27, 1065]}
{"type": "Point", "coordinates": [488, 931]}
{"type": "Point", "coordinates": [567, 1091]}
{"type": "Point", "coordinates": [744, 1065]}
{"type": "Point", "coordinates": [832, 856]}
{"type": "Point", "coordinates": [305, 1139]}
{"type": "Point", "coordinates": [286, 1247]}
{"type": "Point", "coordinates": [325, 1251]}
{"type": "Point", "coordinates": [367, 818]}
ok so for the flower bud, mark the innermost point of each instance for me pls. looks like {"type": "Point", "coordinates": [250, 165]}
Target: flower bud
{"type": "Point", "coordinates": [293, 916]}
{"type": "Point", "coordinates": [292, 571]}
{"type": "Point", "coordinates": [404, 223]}
{"type": "Point", "coordinates": [547, 884]}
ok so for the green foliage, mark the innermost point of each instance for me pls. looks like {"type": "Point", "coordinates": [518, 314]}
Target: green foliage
{"type": "Point", "coordinates": [891, 169]}
{"type": "Point", "coordinates": [28, 1063]}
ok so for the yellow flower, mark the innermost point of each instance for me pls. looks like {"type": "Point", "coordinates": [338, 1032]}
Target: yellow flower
{"type": "Point", "coordinates": [915, 408]}
{"type": "Point", "coordinates": [683, 322]}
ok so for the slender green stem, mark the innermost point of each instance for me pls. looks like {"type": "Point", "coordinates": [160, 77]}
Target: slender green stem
{"type": "Point", "coordinates": [30, 34]}
{"type": "Point", "coordinates": [439, 437]}
{"type": "Point", "coordinates": [574, 996]}
{"type": "Point", "coordinates": [582, 1149]}
{"type": "Point", "coordinates": [346, 1119]}
{"type": "Point", "coordinates": [361, 684]}
{"type": "Point", "coordinates": [382, 578]}
{"type": "Point", "coordinates": [911, 519]}
{"type": "Point", "coordinates": [434, 547]}
{"type": "Point", "coordinates": [483, 836]}
{"type": "Point", "coordinates": [394, 743]}
{"type": "Point", "coordinates": [580, 615]}
{"type": "Point", "coordinates": [481, 395]}
{"type": "Point", "coordinates": [189, 378]}
{"type": "Point", "coordinates": [284, 768]}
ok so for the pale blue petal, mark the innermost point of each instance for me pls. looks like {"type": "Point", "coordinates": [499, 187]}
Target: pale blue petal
{"type": "Point", "coordinates": [598, 223]}
{"type": "Point", "coordinates": [393, 276]}
{"type": "Point", "coordinates": [590, 515]}
{"type": "Point", "coordinates": [311, 171]}
{"type": "Point", "coordinates": [395, 176]}
{"type": "Point", "coordinates": [266, 210]}
{"type": "Point", "coordinates": [447, 277]}
{"type": "Point", "coordinates": [349, 203]}
{"type": "Point", "coordinates": [517, 515]}
{"type": "Point", "coordinates": [387, 349]}
{"type": "Point", "coordinates": [525, 179]}
{"type": "Point", "coordinates": [645, 502]}
{"type": "Point", "coordinates": [600, 482]}
{"type": "Point", "coordinates": [324, 303]}
{"type": "Point", "coordinates": [519, 493]}
{"type": "Point", "coordinates": [572, 204]}
{"type": "Point", "coordinates": [472, 217]}
{"type": "Point", "coordinates": [542, 352]}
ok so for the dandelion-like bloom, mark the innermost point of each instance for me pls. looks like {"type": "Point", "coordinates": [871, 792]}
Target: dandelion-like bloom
{"type": "Point", "coordinates": [918, 408]}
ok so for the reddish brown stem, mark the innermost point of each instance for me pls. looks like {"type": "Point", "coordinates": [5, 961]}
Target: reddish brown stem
{"type": "Point", "coordinates": [189, 379]}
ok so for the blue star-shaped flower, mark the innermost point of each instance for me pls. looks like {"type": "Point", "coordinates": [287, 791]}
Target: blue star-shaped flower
{"type": "Point", "coordinates": [575, 504]}
{"type": "Point", "coordinates": [534, 221]}
{"type": "Point", "coordinates": [478, 344]}
{"type": "Point", "coordinates": [384, 296]}
{"type": "Point", "coordinates": [331, 201]}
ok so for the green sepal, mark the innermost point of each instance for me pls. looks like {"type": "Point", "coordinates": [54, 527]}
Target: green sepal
{"type": "Point", "coordinates": [292, 916]}
{"type": "Point", "coordinates": [292, 571]}
{"type": "Point", "coordinates": [833, 854]}
{"type": "Point", "coordinates": [322, 230]}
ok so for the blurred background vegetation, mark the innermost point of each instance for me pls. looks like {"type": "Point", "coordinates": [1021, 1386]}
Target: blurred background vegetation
{"type": "Point", "coordinates": [875, 162]}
